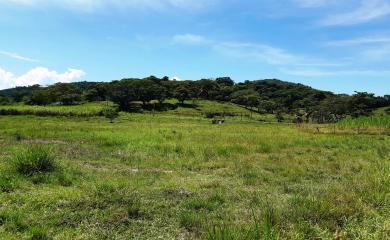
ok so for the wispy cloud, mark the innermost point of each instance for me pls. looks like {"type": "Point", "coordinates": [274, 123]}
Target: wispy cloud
{"type": "Point", "coordinates": [93, 5]}
{"type": "Point", "coordinates": [325, 73]}
{"type": "Point", "coordinates": [17, 56]}
{"type": "Point", "coordinates": [250, 51]}
{"type": "Point", "coordinates": [189, 39]}
{"type": "Point", "coordinates": [359, 41]}
{"type": "Point", "coordinates": [378, 54]}
{"type": "Point", "coordinates": [368, 10]}
{"type": "Point", "coordinates": [39, 75]}
{"type": "Point", "coordinates": [313, 3]}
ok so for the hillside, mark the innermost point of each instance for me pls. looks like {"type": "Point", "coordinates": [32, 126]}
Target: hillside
{"type": "Point", "coordinates": [262, 97]}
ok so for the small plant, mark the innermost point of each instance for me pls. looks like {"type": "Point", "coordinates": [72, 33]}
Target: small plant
{"type": "Point", "coordinates": [7, 183]}
{"type": "Point", "coordinates": [18, 137]}
{"type": "Point", "coordinates": [279, 116]}
{"type": "Point", "coordinates": [110, 113]}
{"type": "Point", "coordinates": [33, 160]}
{"type": "Point", "coordinates": [134, 211]}
{"type": "Point", "coordinates": [38, 233]}
{"type": "Point", "coordinates": [190, 220]}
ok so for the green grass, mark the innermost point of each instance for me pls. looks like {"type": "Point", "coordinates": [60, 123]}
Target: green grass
{"type": "Point", "coordinates": [382, 111]}
{"type": "Point", "coordinates": [194, 109]}
{"type": "Point", "coordinates": [376, 121]}
{"type": "Point", "coordinates": [33, 160]}
{"type": "Point", "coordinates": [83, 110]}
{"type": "Point", "coordinates": [197, 108]}
{"type": "Point", "coordinates": [170, 177]}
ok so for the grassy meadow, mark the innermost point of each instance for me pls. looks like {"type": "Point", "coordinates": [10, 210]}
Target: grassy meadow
{"type": "Point", "coordinates": [83, 110]}
{"type": "Point", "coordinates": [173, 177]}
{"type": "Point", "coordinates": [194, 109]}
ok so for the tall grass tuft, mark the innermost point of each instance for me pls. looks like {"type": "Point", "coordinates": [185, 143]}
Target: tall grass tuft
{"type": "Point", "coordinates": [38, 233]}
{"type": "Point", "coordinates": [32, 160]}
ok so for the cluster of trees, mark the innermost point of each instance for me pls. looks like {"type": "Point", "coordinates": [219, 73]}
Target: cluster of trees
{"type": "Point", "coordinates": [339, 106]}
{"type": "Point", "coordinates": [266, 96]}
{"type": "Point", "coordinates": [60, 93]}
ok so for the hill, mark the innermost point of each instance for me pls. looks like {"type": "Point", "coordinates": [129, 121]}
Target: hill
{"type": "Point", "coordinates": [269, 96]}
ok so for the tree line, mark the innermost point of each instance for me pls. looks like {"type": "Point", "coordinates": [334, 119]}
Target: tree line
{"type": "Point", "coordinates": [264, 96]}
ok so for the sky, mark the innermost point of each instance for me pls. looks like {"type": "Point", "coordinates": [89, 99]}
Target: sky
{"type": "Point", "coordinates": [340, 46]}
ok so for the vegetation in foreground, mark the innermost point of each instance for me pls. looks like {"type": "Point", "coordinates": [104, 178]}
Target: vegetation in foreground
{"type": "Point", "coordinates": [169, 177]}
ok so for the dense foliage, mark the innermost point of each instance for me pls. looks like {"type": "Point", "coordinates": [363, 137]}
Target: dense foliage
{"type": "Point", "coordinates": [263, 96]}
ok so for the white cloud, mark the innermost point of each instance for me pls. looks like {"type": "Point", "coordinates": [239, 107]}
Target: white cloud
{"type": "Point", "coordinates": [6, 79]}
{"type": "Point", "coordinates": [359, 41]}
{"type": "Point", "coordinates": [176, 79]}
{"type": "Point", "coordinates": [313, 3]}
{"type": "Point", "coordinates": [17, 56]}
{"type": "Point", "coordinates": [39, 75]}
{"type": "Point", "coordinates": [325, 73]}
{"type": "Point", "coordinates": [258, 52]}
{"type": "Point", "coordinates": [380, 54]}
{"type": "Point", "coordinates": [368, 10]}
{"type": "Point", "coordinates": [92, 5]}
{"type": "Point", "coordinates": [189, 39]}
{"type": "Point", "coordinates": [250, 51]}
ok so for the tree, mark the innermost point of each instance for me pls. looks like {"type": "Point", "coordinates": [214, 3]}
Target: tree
{"type": "Point", "coordinates": [97, 92]}
{"type": "Point", "coordinates": [253, 100]}
{"type": "Point", "coordinates": [331, 109]}
{"type": "Point", "coordinates": [224, 81]}
{"type": "Point", "coordinates": [147, 90]}
{"type": "Point", "coordinates": [70, 99]}
{"type": "Point", "coordinates": [122, 93]}
{"type": "Point", "coordinates": [247, 98]}
{"type": "Point", "coordinates": [4, 100]}
{"type": "Point", "coordinates": [110, 113]}
{"type": "Point", "coordinates": [362, 104]}
{"type": "Point", "coordinates": [181, 94]}
{"type": "Point", "coordinates": [205, 87]}
{"type": "Point", "coordinates": [40, 97]}
{"type": "Point", "coordinates": [269, 106]}
{"type": "Point", "coordinates": [279, 116]}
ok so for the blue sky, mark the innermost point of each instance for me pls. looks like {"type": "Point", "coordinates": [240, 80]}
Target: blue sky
{"type": "Point", "coordinates": [341, 46]}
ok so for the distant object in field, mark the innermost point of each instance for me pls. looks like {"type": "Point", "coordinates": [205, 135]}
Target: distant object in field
{"type": "Point", "coordinates": [218, 121]}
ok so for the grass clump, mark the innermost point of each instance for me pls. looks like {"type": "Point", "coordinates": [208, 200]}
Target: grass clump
{"type": "Point", "coordinates": [261, 227]}
{"type": "Point", "coordinates": [7, 183]}
{"type": "Point", "coordinates": [33, 160]}
{"type": "Point", "coordinates": [192, 221]}
{"type": "Point", "coordinates": [38, 233]}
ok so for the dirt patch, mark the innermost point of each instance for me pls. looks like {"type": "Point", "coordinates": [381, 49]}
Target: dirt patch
{"type": "Point", "coordinates": [44, 141]}
{"type": "Point", "coordinates": [126, 170]}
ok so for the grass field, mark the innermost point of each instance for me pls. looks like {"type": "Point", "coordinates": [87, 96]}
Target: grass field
{"type": "Point", "coordinates": [168, 177]}
{"type": "Point", "coordinates": [366, 122]}
{"type": "Point", "coordinates": [196, 109]}
{"type": "Point", "coordinates": [83, 110]}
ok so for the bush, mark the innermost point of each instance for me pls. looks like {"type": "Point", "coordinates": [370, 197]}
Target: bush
{"type": "Point", "coordinates": [110, 113]}
{"type": "Point", "coordinates": [33, 160]}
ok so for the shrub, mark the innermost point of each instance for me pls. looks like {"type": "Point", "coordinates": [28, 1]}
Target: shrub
{"type": "Point", "coordinates": [33, 160]}
{"type": "Point", "coordinates": [110, 113]}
